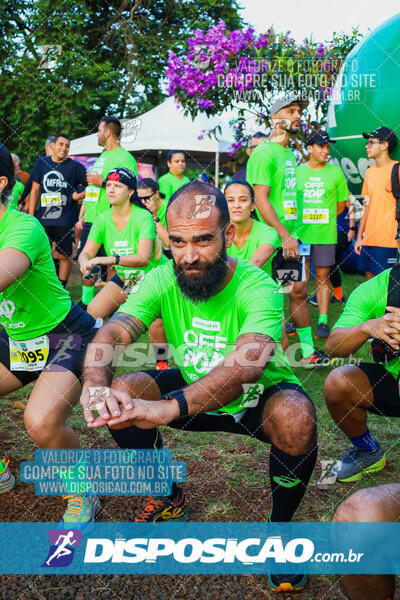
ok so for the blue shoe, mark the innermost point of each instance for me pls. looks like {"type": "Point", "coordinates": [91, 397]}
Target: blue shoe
{"type": "Point", "coordinates": [287, 583]}
{"type": "Point", "coordinates": [313, 300]}
{"type": "Point", "coordinates": [81, 512]}
{"type": "Point", "coordinates": [357, 462]}
{"type": "Point", "coordinates": [290, 328]}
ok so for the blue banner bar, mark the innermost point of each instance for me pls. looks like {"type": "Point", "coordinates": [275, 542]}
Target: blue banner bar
{"type": "Point", "coordinates": [201, 548]}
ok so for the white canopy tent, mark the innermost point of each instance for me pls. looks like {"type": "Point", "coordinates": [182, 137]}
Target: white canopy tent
{"type": "Point", "coordinates": [163, 128]}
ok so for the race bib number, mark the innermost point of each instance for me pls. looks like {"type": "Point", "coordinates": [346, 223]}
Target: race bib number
{"type": "Point", "coordinates": [30, 355]}
{"type": "Point", "coordinates": [51, 199]}
{"type": "Point", "coordinates": [92, 193]}
{"type": "Point", "coordinates": [290, 210]}
{"type": "Point", "coordinates": [316, 215]}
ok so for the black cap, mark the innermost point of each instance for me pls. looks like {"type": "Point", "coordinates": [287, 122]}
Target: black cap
{"type": "Point", "coordinates": [384, 134]}
{"type": "Point", "coordinates": [320, 138]}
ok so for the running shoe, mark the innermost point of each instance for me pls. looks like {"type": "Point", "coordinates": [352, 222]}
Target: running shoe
{"type": "Point", "coordinates": [7, 480]}
{"type": "Point", "coordinates": [341, 301]}
{"type": "Point", "coordinates": [290, 328]}
{"type": "Point", "coordinates": [81, 512]}
{"type": "Point", "coordinates": [162, 508]}
{"type": "Point", "coordinates": [287, 583]}
{"type": "Point", "coordinates": [313, 300]}
{"type": "Point", "coordinates": [316, 359]}
{"type": "Point", "coordinates": [357, 462]}
{"type": "Point", "coordinates": [323, 331]}
{"type": "Point", "coordinates": [162, 365]}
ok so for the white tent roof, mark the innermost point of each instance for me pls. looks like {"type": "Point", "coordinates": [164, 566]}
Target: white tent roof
{"type": "Point", "coordinates": [162, 128]}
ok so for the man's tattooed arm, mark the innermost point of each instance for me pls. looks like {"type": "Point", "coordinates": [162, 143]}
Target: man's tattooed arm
{"type": "Point", "coordinates": [109, 342]}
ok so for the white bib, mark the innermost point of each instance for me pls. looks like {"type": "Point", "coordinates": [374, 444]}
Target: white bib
{"type": "Point", "coordinates": [318, 216]}
{"type": "Point", "coordinates": [290, 210]}
{"type": "Point", "coordinates": [29, 355]}
{"type": "Point", "coordinates": [51, 199]}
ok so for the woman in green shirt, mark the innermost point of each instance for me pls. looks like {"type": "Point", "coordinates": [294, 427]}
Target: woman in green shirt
{"type": "Point", "coordinates": [127, 233]}
{"type": "Point", "coordinates": [43, 339]}
{"type": "Point", "coordinates": [172, 181]}
{"type": "Point", "coordinates": [254, 242]}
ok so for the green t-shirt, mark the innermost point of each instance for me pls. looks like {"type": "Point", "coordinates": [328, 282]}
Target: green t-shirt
{"type": "Point", "coordinates": [36, 302]}
{"type": "Point", "coordinates": [369, 301]}
{"type": "Point", "coordinates": [318, 192]}
{"type": "Point", "coordinates": [168, 184]}
{"type": "Point", "coordinates": [201, 334]}
{"type": "Point", "coordinates": [96, 201]}
{"type": "Point", "coordinates": [15, 195]}
{"type": "Point", "coordinates": [260, 234]}
{"type": "Point", "coordinates": [140, 227]}
{"type": "Point", "coordinates": [272, 165]}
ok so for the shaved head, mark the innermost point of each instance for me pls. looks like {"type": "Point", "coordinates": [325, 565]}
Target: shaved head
{"type": "Point", "coordinates": [197, 200]}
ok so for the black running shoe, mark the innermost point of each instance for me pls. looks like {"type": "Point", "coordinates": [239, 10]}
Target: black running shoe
{"type": "Point", "coordinates": [323, 331]}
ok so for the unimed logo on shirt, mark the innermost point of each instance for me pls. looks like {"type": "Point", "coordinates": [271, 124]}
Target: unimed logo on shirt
{"type": "Point", "coordinates": [207, 325]}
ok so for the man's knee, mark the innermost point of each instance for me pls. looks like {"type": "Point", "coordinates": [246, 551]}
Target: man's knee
{"type": "Point", "coordinates": [299, 291]}
{"type": "Point", "coordinates": [338, 386]}
{"type": "Point", "coordinates": [363, 506]}
{"type": "Point", "coordinates": [293, 421]}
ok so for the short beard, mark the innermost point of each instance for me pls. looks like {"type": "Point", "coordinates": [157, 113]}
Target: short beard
{"type": "Point", "coordinates": [198, 289]}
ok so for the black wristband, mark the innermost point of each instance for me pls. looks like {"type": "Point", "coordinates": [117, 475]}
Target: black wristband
{"type": "Point", "coordinates": [156, 220]}
{"type": "Point", "coordinates": [104, 183]}
{"type": "Point", "coordinates": [180, 398]}
{"type": "Point", "coordinates": [352, 229]}
{"type": "Point", "coordinates": [117, 259]}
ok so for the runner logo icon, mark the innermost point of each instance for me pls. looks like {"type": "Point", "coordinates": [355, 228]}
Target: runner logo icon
{"type": "Point", "coordinates": [62, 547]}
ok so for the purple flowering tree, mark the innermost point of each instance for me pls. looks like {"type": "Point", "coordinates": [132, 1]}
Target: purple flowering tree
{"type": "Point", "coordinates": [219, 69]}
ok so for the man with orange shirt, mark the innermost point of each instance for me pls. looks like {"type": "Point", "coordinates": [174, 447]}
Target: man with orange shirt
{"type": "Point", "coordinates": [376, 243]}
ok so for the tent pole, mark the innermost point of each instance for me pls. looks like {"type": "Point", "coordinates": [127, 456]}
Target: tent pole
{"type": "Point", "coordinates": [216, 169]}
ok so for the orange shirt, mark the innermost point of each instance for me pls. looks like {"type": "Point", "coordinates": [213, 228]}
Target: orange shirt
{"type": "Point", "coordinates": [381, 224]}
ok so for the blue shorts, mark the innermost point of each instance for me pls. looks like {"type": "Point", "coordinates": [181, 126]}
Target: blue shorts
{"type": "Point", "coordinates": [376, 259]}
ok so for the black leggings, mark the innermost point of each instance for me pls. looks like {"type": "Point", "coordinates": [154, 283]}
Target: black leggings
{"type": "Point", "coordinates": [341, 246]}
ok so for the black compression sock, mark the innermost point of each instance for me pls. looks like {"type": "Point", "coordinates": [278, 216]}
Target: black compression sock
{"type": "Point", "coordinates": [289, 476]}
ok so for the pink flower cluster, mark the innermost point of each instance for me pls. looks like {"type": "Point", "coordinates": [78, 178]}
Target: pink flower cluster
{"type": "Point", "coordinates": [219, 61]}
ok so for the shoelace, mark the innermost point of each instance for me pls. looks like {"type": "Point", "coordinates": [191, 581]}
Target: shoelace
{"type": "Point", "coordinates": [4, 462]}
{"type": "Point", "coordinates": [75, 504]}
{"type": "Point", "coordinates": [147, 509]}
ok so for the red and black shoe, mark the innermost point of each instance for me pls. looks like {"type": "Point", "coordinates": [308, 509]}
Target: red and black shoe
{"type": "Point", "coordinates": [159, 509]}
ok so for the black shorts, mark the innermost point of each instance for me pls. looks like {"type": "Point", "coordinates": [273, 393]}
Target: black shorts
{"type": "Point", "coordinates": [68, 343]}
{"type": "Point", "coordinates": [250, 424]}
{"type": "Point", "coordinates": [385, 390]}
{"type": "Point", "coordinates": [117, 279]}
{"type": "Point", "coordinates": [62, 236]}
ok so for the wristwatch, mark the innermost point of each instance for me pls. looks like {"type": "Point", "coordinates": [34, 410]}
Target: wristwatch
{"type": "Point", "coordinates": [103, 183]}
{"type": "Point", "coordinates": [117, 259]}
{"type": "Point", "coordinates": [157, 220]}
{"type": "Point", "coordinates": [352, 228]}
{"type": "Point", "coordinates": [179, 396]}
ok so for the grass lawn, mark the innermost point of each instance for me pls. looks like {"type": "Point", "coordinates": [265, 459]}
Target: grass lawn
{"type": "Point", "coordinates": [227, 475]}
